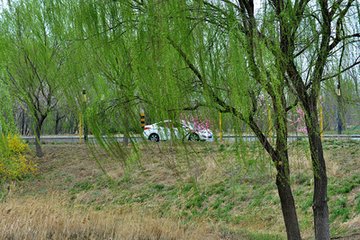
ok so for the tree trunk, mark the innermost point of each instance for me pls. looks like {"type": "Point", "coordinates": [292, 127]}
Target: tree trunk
{"type": "Point", "coordinates": [58, 118]}
{"type": "Point", "coordinates": [39, 123]}
{"type": "Point", "coordinates": [85, 123]}
{"type": "Point", "coordinates": [288, 207]}
{"type": "Point", "coordinates": [86, 129]}
{"type": "Point", "coordinates": [281, 160]}
{"type": "Point", "coordinates": [39, 152]}
{"type": "Point", "coordinates": [23, 130]}
{"type": "Point", "coordinates": [320, 206]}
{"type": "Point", "coordinates": [57, 122]}
{"type": "Point", "coordinates": [340, 115]}
{"type": "Point", "coordinates": [126, 123]}
{"type": "Point", "coordinates": [280, 157]}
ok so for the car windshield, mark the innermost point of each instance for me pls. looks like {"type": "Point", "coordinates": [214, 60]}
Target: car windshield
{"type": "Point", "coordinates": [182, 124]}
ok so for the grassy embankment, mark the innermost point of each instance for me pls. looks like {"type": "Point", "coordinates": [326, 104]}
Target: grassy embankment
{"type": "Point", "coordinates": [203, 191]}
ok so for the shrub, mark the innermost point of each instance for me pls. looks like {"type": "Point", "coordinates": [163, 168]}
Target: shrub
{"type": "Point", "coordinates": [13, 162]}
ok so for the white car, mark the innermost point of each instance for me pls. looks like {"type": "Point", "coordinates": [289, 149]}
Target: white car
{"type": "Point", "coordinates": [168, 129]}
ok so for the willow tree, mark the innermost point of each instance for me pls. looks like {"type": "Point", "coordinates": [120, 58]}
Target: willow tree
{"type": "Point", "coordinates": [111, 69]}
{"type": "Point", "coordinates": [111, 35]}
{"type": "Point", "coordinates": [179, 60]}
{"type": "Point", "coordinates": [287, 50]}
{"type": "Point", "coordinates": [32, 58]}
{"type": "Point", "coordinates": [221, 54]}
{"type": "Point", "coordinates": [7, 123]}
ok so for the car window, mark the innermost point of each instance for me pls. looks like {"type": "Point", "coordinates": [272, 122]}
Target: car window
{"type": "Point", "coordinates": [160, 124]}
{"type": "Point", "coordinates": [166, 124]}
{"type": "Point", "coordinates": [187, 125]}
{"type": "Point", "coordinates": [170, 124]}
{"type": "Point", "coordinates": [176, 125]}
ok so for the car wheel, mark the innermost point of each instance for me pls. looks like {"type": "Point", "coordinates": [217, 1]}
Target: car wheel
{"type": "Point", "coordinates": [154, 137]}
{"type": "Point", "coordinates": [194, 137]}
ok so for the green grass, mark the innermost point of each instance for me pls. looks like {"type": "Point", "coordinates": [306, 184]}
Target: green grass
{"type": "Point", "coordinates": [233, 187]}
{"type": "Point", "coordinates": [340, 210]}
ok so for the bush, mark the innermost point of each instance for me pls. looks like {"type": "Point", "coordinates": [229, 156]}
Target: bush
{"type": "Point", "coordinates": [13, 163]}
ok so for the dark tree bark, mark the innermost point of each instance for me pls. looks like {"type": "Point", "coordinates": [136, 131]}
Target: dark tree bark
{"type": "Point", "coordinates": [58, 119]}
{"type": "Point", "coordinates": [22, 122]}
{"type": "Point", "coordinates": [38, 126]}
{"type": "Point", "coordinates": [74, 124]}
{"type": "Point", "coordinates": [85, 125]}
{"type": "Point", "coordinates": [320, 206]}
{"type": "Point", "coordinates": [283, 169]}
{"type": "Point", "coordinates": [288, 206]}
{"type": "Point", "coordinates": [126, 123]}
{"type": "Point", "coordinates": [340, 115]}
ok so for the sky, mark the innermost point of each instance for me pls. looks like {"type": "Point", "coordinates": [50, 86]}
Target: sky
{"type": "Point", "coordinates": [4, 3]}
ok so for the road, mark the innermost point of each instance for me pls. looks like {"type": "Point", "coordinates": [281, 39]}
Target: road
{"type": "Point", "coordinates": [137, 138]}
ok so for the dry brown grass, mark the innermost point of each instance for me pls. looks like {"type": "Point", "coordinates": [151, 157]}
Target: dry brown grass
{"type": "Point", "coordinates": [50, 215]}
{"type": "Point", "coordinates": [337, 158]}
{"type": "Point", "coordinates": [56, 214]}
{"type": "Point", "coordinates": [51, 218]}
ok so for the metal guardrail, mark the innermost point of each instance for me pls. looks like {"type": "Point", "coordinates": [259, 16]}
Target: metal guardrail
{"type": "Point", "coordinates": [328, 136]}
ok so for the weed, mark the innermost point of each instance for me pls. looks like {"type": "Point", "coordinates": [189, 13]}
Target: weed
{"type": "Point", "coordinates": [158, 187]}
{"type": "Point", "coordinates": [306, 204]}
{"type": "Point", "coordinates": [187, 187]}
{"type": "Point", "coordinates": [195, 201]}
{"type": "Point", "coordinates": [345, 185]}
{"type": "Point", "coordinates": [340, 210]}
{"type": "Point", "coordinates": [357, 203]}
{"type": "Point", "coordinates": [301, 179]}
{"type": "Point", "coordinates": [81, 186]}
{"type": "Point", "coordinates": [69, 179]}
